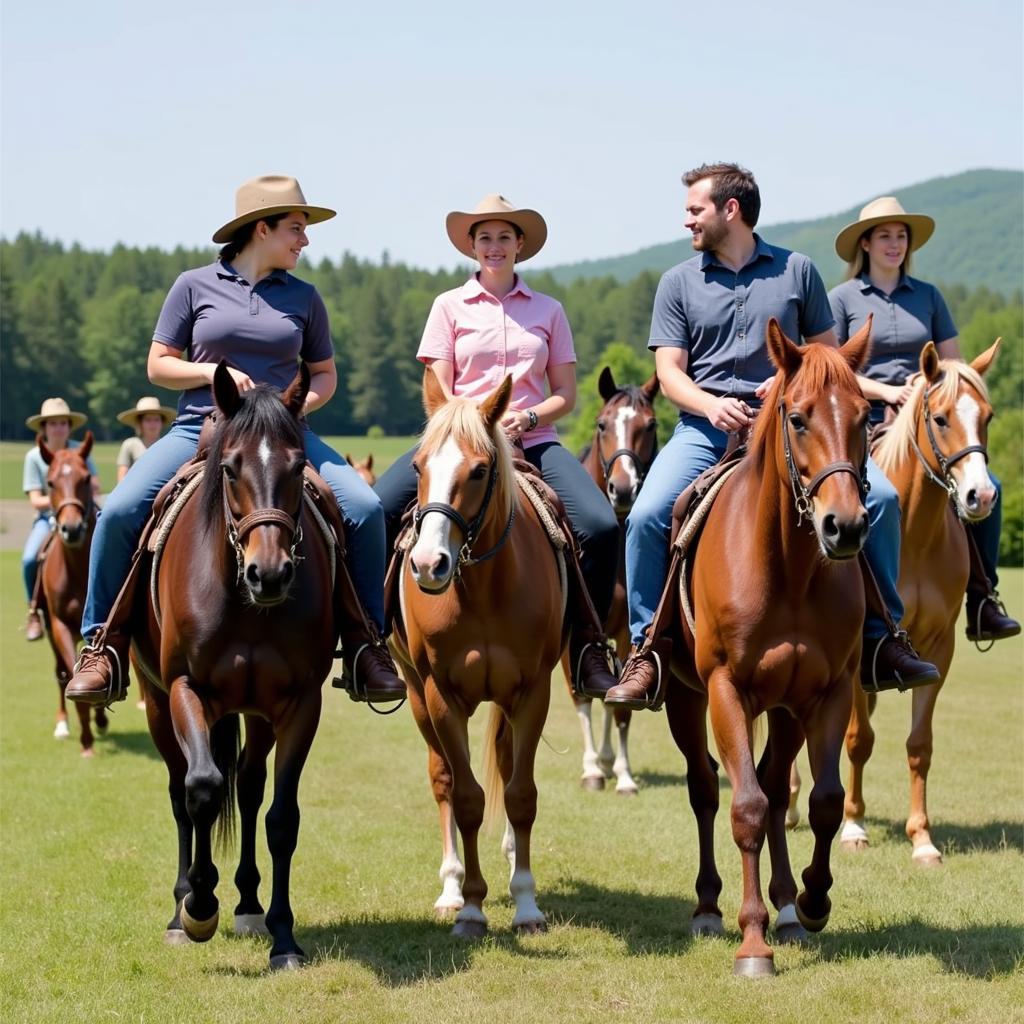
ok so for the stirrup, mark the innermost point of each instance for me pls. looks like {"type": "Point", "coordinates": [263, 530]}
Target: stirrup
{"type": "Point", "coordinates": [350, 682]}
{"type": "Point", "coordinates": [610, 659]}
{"type": "Point", "coordinates": [992, 598]}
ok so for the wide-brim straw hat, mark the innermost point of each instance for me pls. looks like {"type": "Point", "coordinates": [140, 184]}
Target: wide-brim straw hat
{"type": "Point", "coordinates": [55, 409]}
{"type": "Point", "coordinates": [496, 207]}
{"type": "Point", "coordinates": [263, 197]}
{"type": "Point", "coordinates": [884, 210]}
{"type": "Point", "coordinates": [144, 407]}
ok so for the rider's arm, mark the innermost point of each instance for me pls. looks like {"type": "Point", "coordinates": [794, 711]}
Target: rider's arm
{"type": "Point", "coordinates": [444, 371]}
{"type": "Point", "coordinates": [323, 381]}
{"type": "Point", "coordinates": [39, 501]}
{"type": "Point", "coordinates": [167, 368]}
{"type": "Point", "coordinates": [678, 387]}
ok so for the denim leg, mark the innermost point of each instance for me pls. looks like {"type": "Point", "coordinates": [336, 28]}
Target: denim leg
{"type": "Point", "coordinates": [396, 488]}
{"type": "Point", "coordinates": [882, 548]}
{"type": "Point", "coordinates": [695, 445]}
{"type": "Point", "coordinates": [986, 534]}
{"type": "Point", "coordinates": [124, 514]}
{"type": "Point", "coordinates": [29, 566]}
{"type": "Point", "coordinates": [363, 516]}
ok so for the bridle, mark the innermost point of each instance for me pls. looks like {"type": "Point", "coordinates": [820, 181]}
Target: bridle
{"type": "Point", "coordinates": [642, 468]}
{"type": "Point", "coordinates": [239, 529]}
{"type": "Point", "coordinates": [469, 530]}
{"type": "Point", "coordinates": [803, 495]}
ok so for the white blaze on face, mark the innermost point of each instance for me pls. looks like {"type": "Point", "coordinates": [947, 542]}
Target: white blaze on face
{"type": "Point", "coordinates": [264, 453]}
{"type": "Point", "coordinates": [435, 529]}
{"type": "Point", "coordinates": [622, 418]}
{"type": "Point", "coordinates": [972, 470]}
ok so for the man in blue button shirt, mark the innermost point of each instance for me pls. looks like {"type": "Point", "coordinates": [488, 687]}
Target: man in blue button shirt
{"type": "Point", "coordinates": [708, 336]}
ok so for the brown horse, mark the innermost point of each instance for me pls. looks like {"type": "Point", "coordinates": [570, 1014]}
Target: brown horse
{"type": "Point", "coordinates": [482, 613]}
{"type": "Point", "coordinates": [935, 456]}
{"type": "Point", "coordinates": [65, 570]}
{"type": "Point", "coordinates": [243, 625]}
{"type": "Point", "coordinates": [618, 457]}
{"type": "Point", "coordinates": [778, 611]}
{"type": "Point", "coordinates": [364, 468]}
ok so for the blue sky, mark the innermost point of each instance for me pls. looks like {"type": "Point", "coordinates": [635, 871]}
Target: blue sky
{"type": "Point", "coordinates": [135, 122]}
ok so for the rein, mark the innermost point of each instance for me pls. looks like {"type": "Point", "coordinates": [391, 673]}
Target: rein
{"type": "Point", "coordinates": [239, 529]}
{"type": "Point", "coordinates": [803, 495]}
{"type": "Point", "coordinates": [641, 468]}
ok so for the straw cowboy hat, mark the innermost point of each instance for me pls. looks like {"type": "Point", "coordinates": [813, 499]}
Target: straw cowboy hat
{"type": "Point", "coordinates": [495, 207]}
{"type": "Point", "coordinates": [144, 406]}
{"type": "Point", "coordinates": [263, 197]}
{"type": "Point", "coordinates": [885, 210]}
{"type": "Point", "coordinates": [55, 409]}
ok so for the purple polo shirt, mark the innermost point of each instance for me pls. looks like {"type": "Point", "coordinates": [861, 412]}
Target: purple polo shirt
{"type": "Point", "coordinates": [211, 313]}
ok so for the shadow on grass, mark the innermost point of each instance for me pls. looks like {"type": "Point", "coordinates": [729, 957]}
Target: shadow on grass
{"type": "Point", "coordinates": [655, 780]}
{"type": "Point", "coordinates": [953, 838]}
{"type": "Point", "coordinates": [136, 742]}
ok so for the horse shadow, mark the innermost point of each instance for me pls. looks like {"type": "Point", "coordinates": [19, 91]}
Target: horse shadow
{"type": "Point", "coordinates": [677, 780]}
{"type": "Point", "coordinates": [953, 838]}
{"type": "Point", "coordinates": [137, 742]}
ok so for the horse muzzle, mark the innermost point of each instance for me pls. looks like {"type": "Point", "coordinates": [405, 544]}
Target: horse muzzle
{"type": "Point", "coordinates": [269, 585]}
{"type": "Point", "coordinates": [432, 571]}
{"type": "Point", "coordinates": [842, 537]}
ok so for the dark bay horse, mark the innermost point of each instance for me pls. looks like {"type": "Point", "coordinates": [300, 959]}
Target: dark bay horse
{"type": "Point", "coordinates": [482, 611]}
{"type": "Point", "coordinates": [245, 627]}
{"type": "Point", "coordinates": [65, 571]}
{"type": "Point", "coordinates": [618, 457]}
{"type": "Point", "coordinates": [778, 610]}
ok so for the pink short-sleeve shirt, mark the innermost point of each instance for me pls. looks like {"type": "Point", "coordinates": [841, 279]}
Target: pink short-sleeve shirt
{"type": "Point", "coordinates": [486, 338]}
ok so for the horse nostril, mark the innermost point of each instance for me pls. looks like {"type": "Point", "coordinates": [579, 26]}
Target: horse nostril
{"type": "Point", "coordinates": [972, 499]}
{"type": "Point", "coordinates": [830, 526]}
{"type": "Point", "coordinates": [444, 561]}
{"type": "Point", "coordinates": [252, 575]}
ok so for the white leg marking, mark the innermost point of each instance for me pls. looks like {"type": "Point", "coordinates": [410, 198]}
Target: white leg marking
{"type": "Point", "coordinates": [452, 873]}
{"type": "Point", "coordinates": [625, 784]}
{"type": "Point", "coordinates": [523, 890]}
{"type": "Point", "coordinates": [606, 759]}
{"type": "Point", "coordinates": [590, 765]}
{"type": "Point", "coordinates": [508, 847]}
{"type": "Point", "coordinates": [61, 731]}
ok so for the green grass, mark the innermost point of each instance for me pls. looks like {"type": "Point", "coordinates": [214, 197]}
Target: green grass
{"type": "Point", "coordinates": [88, 855]}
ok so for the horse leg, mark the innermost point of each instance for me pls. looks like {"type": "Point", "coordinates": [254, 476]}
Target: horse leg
{"type": "Point", "coordinates": [625, 784]}
{"type": "Point", "coordinates": [687, 719]}
{"type": "Point", "coordinates": [295, 734]}
{"type": "Point", "coordinates": [251, 782]}
{"type": "Point", "coordinates": [825, 733]}
{"type": "Point", "coordinates": [774, 773]}
{"type": "Point", "coordinates": [606, 758]}
{"type": "Point", "coordinates": [732, 727]}
{"type": "Point", "coordinates": [62, 640]}
{"type": "Point", "coordinates": [919, 758]}
{"type": "Point", "coordinates": [593, 775]}
{"type": "Point", "coordinates": [860, 742]}
{"type": "Point", "coordinates": [793, 811]}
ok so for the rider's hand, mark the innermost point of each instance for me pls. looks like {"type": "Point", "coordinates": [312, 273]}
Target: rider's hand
{"type": "Point", "coordinates": [729, 414]}
{"type": "Point", "coordinates": [515, 424]}
{"type": "Point", "coordinates": [762, 389]}
{"type": "Point", "coordinates": [898, 395]}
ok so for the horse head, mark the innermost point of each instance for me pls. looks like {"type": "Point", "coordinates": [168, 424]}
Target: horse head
{"type": "Point", "coordinates": [254, 480]}
{"type": "Point", "coordinates": [70, 485]}
{"type": "Point", "coordinates": [464, 471]}
{"type": "Point", "coordinates": [626, 440]}
{"type": "Point", "coordinates": [821, 444]}
{"type": "Point", "coordinates": [364, 468]}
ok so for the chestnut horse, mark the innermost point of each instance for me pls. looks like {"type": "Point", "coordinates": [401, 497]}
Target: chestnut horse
{"type": "Point", "coordinates": [364, 468]}
{"type": "Point", "coordinates": [482, 612]}
{"type": "Point", "coordinates": [65, 571]}
{"type": "Point", "coordinates": [778, 611]}
{"type": "Point", "coordinates": [624, 445]}
{"type": "Point", "coordinates": [241, 628]}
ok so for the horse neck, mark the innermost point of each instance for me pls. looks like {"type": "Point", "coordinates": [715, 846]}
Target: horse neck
{"type": "Point", "coordinates": [923, 504]}
{"type": "Point", "coordinates": [592, 463]}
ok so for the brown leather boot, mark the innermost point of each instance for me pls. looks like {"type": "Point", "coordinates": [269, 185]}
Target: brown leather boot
{"type": "Point", "coordinates": [101, 672]}
{"type": "Point", "coordinates": [33, 625]}
{"type": "Point", "coordinates": [590, 662]}
{"type": "Point", "coordinates": [889, 662]}
{"type": "Point", "coordinates": [644, 678]}
{"type": "Point", "coordinates": [986, 618]}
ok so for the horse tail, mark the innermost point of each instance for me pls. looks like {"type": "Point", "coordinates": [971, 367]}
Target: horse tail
{"type": "Point", "coordinates": [226, 745]}
{"type": "Point", "coordinates": [494, 787]}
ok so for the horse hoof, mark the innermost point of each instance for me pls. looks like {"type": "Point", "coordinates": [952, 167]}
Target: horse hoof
{"type": "Point", "coordinates": [812, 924]}
{"type": "Point", "coordinates": [88, 752]}
{"type": "Point", "coordinates": [446, 911]}
{"type": "Point", "coordinates": [853, 845]}
{"type": "Point", "coordinates": [592, 783]}
{"type": "Point", "coordinates": [199, 931]}
{"type": "Point", "coordinates": [61, 730]}
{"type": "Point", "coordinates": [853, 838]}
{"type": "Point", "coordinates": [708, 926]}
{"type": "Point", "coordinates": [626, 791]}
{"type": "Point", "coordinates": [176, 937]}
{"type": "Point", "coordinates": [791, 934]}
{"type": "Point", "coordinates": [926, 856]}
{"type": "Point", "coordinates": [754, 967]}
{"type": "Point", "coordinates": [252, 924]}
{"type": "Point", "coordinates": [531, 928]}
{"type": "Point", "coordinates": [469, 929]}
{"type": "Point", "coordinates": [287, 962]}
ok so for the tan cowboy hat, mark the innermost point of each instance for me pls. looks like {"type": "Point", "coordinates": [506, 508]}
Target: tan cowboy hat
{"type": "Point", "coordinates": [263, 197]}
{"type": "Point", "coordinates": [55, 409]}
{"type": "Point", "coordinates": [495, 207]}
{"type": "Point", "coordinates": [883, 211]}
{"type": "Point", "coordinates": [144, 406]}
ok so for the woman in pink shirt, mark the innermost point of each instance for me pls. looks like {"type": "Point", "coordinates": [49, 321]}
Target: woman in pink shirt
{"type": "Point", "coordinates": [495, 325]}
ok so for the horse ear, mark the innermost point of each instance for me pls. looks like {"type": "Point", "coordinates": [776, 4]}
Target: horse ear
{"type": "Point", "coordinates": [856, 350]}
{"type": "Point", "coordinates": [651, 388]}
{"type": "Point", "coordinates": [86, 446]}
{"type": "Point", "coordinates": [433, 394]}
{"type": "Point", "coordinates": [494, 405]}
{"type": "Point", "coordinates": [983, 363]}
{"type": "Point", "coordinates": [930, 362]}
{"type": "Point", "coordinates": [369, 461]}
{"type": "Point", "coordinates": [606, 384]}
{"type": "Point", "coordinates": [784, 354]}
{"type": "Point", "coordinates": [44, 450]}
{"type": "Point", "coordinates": [225, 391]}
{"type": "Point", "coordinates": [294, 397]}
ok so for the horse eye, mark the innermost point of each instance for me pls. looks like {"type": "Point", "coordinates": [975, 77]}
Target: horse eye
{"type": "Point", "coordinates": [478, 473]}
{"type": "Point", "coordinates": [796, 421]}
{"type": "Point", "coordinates": [229, 471]}
{"type": "Point", "coordinates": [941, 421]}
{"type": "Point", "coordinates": [601, 424]}
{"type": "Point", "coordinates": [650, 426]}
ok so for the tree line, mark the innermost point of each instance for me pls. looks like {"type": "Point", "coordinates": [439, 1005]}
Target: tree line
{"type": "Point", "coordinates": [78, 323]}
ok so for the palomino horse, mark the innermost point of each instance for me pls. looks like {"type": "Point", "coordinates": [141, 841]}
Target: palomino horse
{"type": "Point", "coordinates": [935, 456]}
{"type": "Point", "coordinates": [482, 612]}
{"type": "Point", "coordinates": [623, 447]}
{"type": "Point", "coordinates": [364, 468]}
{"type": "Point", "coordinates": [240, 627]}
{"type": "Point", "coordinates": [65, 570]}
{"type": "Point", "coordinates": [778, 608]}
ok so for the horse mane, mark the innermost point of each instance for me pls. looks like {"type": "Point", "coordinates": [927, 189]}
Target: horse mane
{"type": "Point", "coordinates": [460, 419]}
{"type": "Point", "coordinates": [897, 444]}
{"type": "Point", "coordinates": [262, 414]}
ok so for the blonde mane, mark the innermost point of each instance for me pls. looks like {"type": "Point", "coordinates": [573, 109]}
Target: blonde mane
{"type": "Point", "coordinates": [897, 444]}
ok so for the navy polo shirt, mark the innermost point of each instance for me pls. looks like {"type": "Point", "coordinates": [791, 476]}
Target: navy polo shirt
{"type": "Point", "coordinates": [212, 313]}
{"type": "Point", "coordinates": [914, 314]}
{"type": "Point", "coordinates": [720, 316]}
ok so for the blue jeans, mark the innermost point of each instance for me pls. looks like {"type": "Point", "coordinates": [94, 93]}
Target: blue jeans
{"type": "Point", "coordinates": [128, 505]}
{"type": "Point", "coordinates": [41, 527]}
{"type": "Point", "coordinates": [695, 445]}
{"type": "Point", "coordinates": [986, 533]}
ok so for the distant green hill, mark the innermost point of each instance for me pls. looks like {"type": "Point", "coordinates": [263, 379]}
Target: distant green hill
{"type": "Point", "coordinates": [978, 240]}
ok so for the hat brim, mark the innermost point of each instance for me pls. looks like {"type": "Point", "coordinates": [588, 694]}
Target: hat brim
{"type": "Point", "coordinates": [131, 417]}
{"type": "Point", "coordinates": [530, 222]}
{"type": "Point", "coordinates": [36, 422]}
{"type": "Point", "coordinates": [920, 224]}
{"type": "Point", "coordinates": [314, 214]}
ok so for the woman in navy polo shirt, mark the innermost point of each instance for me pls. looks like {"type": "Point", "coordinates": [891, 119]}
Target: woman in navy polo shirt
{"type": "Point", "coordinates": [908, 313]}
{"type": "Point", "coordinates": [247, 309]}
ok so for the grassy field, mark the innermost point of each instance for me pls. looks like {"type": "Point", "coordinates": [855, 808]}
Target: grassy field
{"type": "Point", "coordinates": [88, 855]}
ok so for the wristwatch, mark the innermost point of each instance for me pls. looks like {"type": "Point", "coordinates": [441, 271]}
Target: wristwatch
{"type": "Point", "coordinates": [532, 417]}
